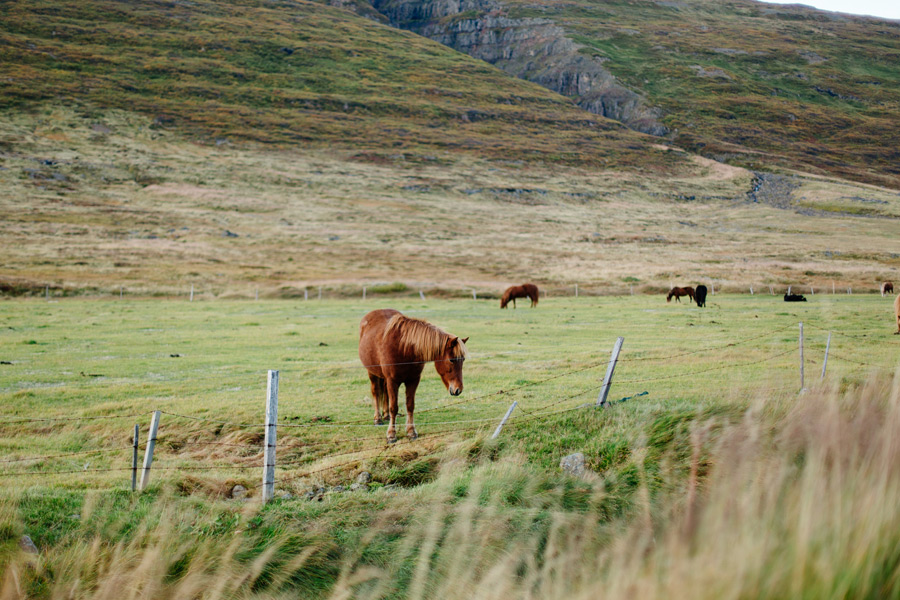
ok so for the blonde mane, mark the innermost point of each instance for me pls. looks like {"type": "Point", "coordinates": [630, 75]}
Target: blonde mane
{"type": "Point", "coordinates": [422, 338]}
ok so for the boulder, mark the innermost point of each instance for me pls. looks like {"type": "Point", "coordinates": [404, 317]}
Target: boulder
{"type": "Point", "coordinates": [573, 464]}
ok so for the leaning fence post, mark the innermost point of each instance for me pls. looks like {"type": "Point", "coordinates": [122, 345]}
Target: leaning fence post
{"type": "Point", "coordinates": [134, 458]}
{"type": "Point", "coordinates": [421, 294]}
{"type": "Point", "coordinates": [151, 444]}
{"type": "Point", "coordinates": [504, 419]}
{"type": "Point", "coordinates": [610, 369]}
{"type": "Point", "coordinates": [802, 387]}
{"type": "Point", "coordinates": [474, 295]}
{"type": "Point", "coordinates": [825, 362]}
{"type": "Point", "coordinates": [268, 489]}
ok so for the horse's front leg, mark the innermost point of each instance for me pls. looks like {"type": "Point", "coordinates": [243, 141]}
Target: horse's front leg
{"type": "Point", "coordinates": [514, 302]}
{"type": "Point", "coordinates": [393, 390]}
{"type": "Point", "coordinates": [411, 386]}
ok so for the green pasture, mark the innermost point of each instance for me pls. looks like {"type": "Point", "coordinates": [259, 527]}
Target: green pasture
{"type": "Point", "coordinates": [125, 358]}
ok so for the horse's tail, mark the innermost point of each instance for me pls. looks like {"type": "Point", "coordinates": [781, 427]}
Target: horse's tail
{"type": "Point", "coordinates": [535, 297]}
{"type": "Point", "coordinates": [381, 396]}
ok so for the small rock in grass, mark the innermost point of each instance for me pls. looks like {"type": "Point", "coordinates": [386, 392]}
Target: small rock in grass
{"type": "Point", "coordinates": [27, 545]}
{"type": "Point", "coordinates": [287, 496]}
{"type": "Point", "coordinates": [238, 492]}
{"type": "Point", "coordinates": [573, 464]}
{"type": "Point", "coordinates": [364, 477]}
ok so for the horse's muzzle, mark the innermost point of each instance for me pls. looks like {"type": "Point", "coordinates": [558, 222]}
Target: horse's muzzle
{"type": "Point", "coordinates": [455, 391]}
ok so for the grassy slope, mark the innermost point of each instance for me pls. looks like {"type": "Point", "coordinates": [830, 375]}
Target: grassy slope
{"type": "Point", "coordinates": [292, 73]}
{"type": "Point", "coordinates": [809, 90]}
{"type": "Point", "coordinates": [88, 357]}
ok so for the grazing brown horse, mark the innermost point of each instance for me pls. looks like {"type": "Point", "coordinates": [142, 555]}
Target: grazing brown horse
{"type": "Point", "coordinates": [678, 292]}
{"type": "Point", "coordinates": [526, 290]}
{"type": "Point", "coordinates": [897, 312]}
{"type": "Point", "coordinates": [394, 349]}
{"type": "Point", "coordinates": [887, 288]}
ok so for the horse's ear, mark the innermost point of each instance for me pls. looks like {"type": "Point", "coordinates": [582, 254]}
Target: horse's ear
{"type": "Point", "coordinates": [464, 340]}
{"type": "Point", "coordinates": [451, 340]}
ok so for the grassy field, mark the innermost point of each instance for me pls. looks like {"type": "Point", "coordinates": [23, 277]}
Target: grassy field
{"type": "Point", "coordinates": [151, 211]}
{"type": "Point", "coordinates": [682, 369]}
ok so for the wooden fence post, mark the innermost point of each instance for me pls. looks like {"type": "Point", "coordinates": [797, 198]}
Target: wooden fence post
{"type": "Point", "coordinates": [134, 459]}
{"type": "Point", "coordinates": [802, 387]}
{"type": "Point", "coordinates": [832, 288]}
{"type": "Point", "coordinates": [121, 292]}
{"type": "Point", "coordinates": [320, 292]}
{"type": "Point", "coordinates": [364, 292]}
{"type": "Point", "coordinates": [576, 290]}
{"type": "Point", "coordinates": [47, 292]}
{"type": "Point", "coordinates": [151, 444]}
{"type": "Point", "coordinates": [789, 290]}
{"type": "Point", "coordinates": [771, 290]}
{"type": "Point", "coordinates": [712, 288]}
{"type": "Point", "coordinates": [751, 290]}
{"type": "Point", "coordinates": [474, 295]}
{"type": "Point", "coordinates": [306, 293]}
{"type": "Point", "coordinates": [812, 292]}
{"type": "Point", "coordinates": [421, 294]}
{"type": "Point", "coordinates": [610, 369]}
{"type": "Point", "coordinates": [268, 489]}
{"type": "Point", "coordinates": [192, 292]}
{"type": "Point", "coordinates": [504, 419]}
{"type": "Point", "coordinates": [825, 362]}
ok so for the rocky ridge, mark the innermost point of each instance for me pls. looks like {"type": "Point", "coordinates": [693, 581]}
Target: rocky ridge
{"type": "Point", "coordinates": [530, 48]}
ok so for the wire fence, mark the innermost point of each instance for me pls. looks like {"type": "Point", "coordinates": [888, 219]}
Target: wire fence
{"type": "Point", "coordinates": [303, 455]}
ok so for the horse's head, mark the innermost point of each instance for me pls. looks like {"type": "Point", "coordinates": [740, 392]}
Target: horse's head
{"type": "Point", "coordinates": [504, 300]}
{"type": "Point", "coordinates": [449, 366]}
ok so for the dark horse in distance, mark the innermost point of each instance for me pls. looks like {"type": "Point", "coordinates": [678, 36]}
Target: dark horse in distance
{"type": "Point", "coordinates": [678, 292]}
{"type": "Point", "coordinates": [526, 290]}
{"type": "Point", "coordinates": [394, 349]}
{"type": "Point", "coordinates": [700, 295]}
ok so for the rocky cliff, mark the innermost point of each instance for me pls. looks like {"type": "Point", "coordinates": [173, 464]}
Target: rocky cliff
{"type": "Point", "coordinates": [530, 48]}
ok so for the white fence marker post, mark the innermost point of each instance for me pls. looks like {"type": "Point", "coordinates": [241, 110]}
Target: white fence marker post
{"type": "Point", "coordinates": [825, 362]}
{"type": "Point", "coordinates": [474, 295]}
{"type": "Point", "coordinates": [192, 292]}
{"type": "Point", "coordinates": [610, 369]}
{"type": "Point", "coordinates": [631, 289]}
{"type": "Point", "coordinates": [47, 292]}
{"type": "Point", "coordinates": [121, 292]}
{"type": "Point", "coordinates": [421, 294]}
{"type": "Point", "coordinates": [320, 292]}
{"type": "Point", "coordinates": [802, 387]}
{"type": "Point", "coordinates": [812, 292]}
{"type": "Point", "coordinates": [306, 293]}
{"type": "Point", "coordinates": [364, 292]}
{"type": "Point", "coordinates": [268, 489]}
{"type": "Point", "coordinates": [134, 458]}
{"type": "Point", "coordinates": [712, 288]}
{"type": "Point", "coordinates": [832, 288]}
{"type": "Point", "coordinates": [751, 290]}
{"type": "Point", "coordinates": [151, 444]}
{"type": "Point", "coordinates": [789, 290]}
{"type": "Point", "coordinates": [504, 419]}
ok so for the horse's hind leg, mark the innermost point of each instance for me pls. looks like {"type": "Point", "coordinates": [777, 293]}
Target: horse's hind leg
{"type": "Point", "coordinates": [379, 396]}
{"type": "Point", "coordinates": [393, 390]}
{"type": "Point", "coordinates": [411, 386]}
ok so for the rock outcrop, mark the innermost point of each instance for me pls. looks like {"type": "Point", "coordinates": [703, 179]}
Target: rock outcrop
{"type": "Point", "coordinates": [529, 48]}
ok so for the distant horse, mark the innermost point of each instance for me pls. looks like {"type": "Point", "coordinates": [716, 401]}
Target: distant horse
{"type": "Point", "coordinates": [526, 290]}
{"type": "Point", "coordinates": [394, 349]}
{"type": "Point", "coordinates": [794, 298]}
{"type": "Point", "coordinates": [897, 312]}
{"type": "Point", "coordinates": [678, 292]}
{"type": "Point", "coordinates": [700, 295]}
{"type": "Point", "coordinates": [887, 288]}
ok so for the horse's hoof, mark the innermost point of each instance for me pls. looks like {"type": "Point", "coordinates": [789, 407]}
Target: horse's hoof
{"type": "Point", "coordinates": [379, 422]}
{"type": "Point", "coordinates": [392, 440]}
{"type": "Point", "coordinates": [412, 436]}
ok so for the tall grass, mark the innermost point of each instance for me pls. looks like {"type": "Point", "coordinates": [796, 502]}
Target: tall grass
{"type": "Point", "coordinates": [800, 499]}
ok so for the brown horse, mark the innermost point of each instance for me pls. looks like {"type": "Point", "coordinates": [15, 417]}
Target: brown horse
{"type": "Point", "coordinates": [897, 312]}
{"type": "Point", "coordinates": [678, 292]}
{"type": "Point", "coordinates": [887, 288]}
{"type": "Point", "coordinates": [394, 349]}
{"type": "Point", "coordinates": [526, 290]}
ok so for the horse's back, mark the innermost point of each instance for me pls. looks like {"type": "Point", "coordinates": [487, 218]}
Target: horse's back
{"type": "Point", "coordinates": [371, 333]}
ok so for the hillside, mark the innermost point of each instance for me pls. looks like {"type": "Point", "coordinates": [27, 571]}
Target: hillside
{"type": "Point", "coordinates": [755, 84]}
{"type": "Point", "coordinates": [292, 73]}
